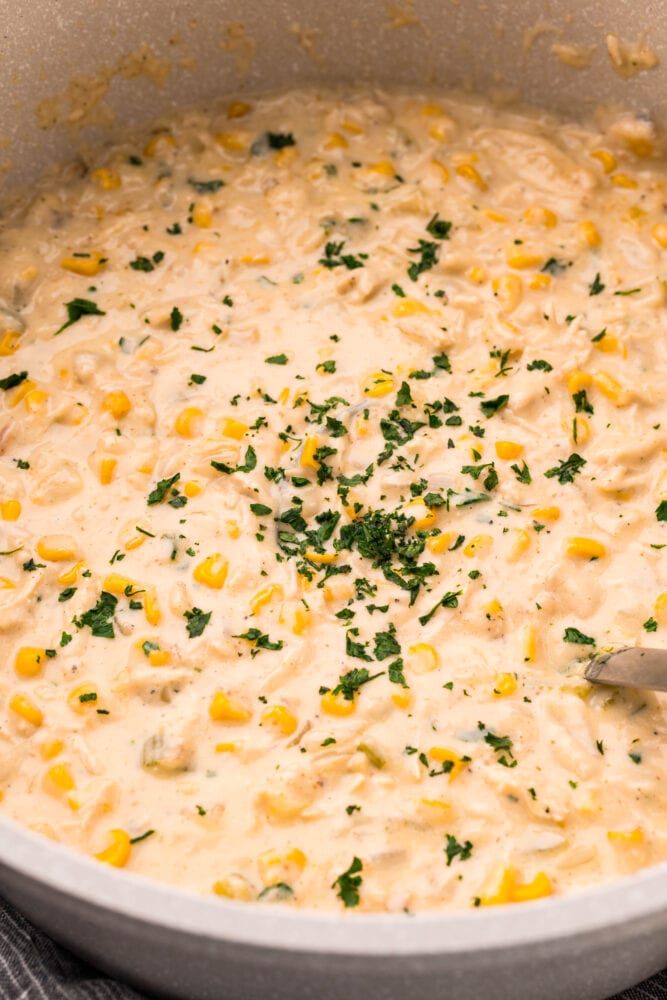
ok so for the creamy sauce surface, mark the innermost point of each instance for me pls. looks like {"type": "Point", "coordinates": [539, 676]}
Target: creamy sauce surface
{"type": "Point", "coordinates": [332, 443]}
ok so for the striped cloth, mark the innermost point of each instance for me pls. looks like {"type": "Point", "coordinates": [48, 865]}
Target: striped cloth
{"type": "Point", "coordinates": [33, 967]}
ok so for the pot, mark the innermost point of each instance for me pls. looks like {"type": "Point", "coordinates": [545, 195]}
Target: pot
{"type": "Point", "coordinates": [69, 73]}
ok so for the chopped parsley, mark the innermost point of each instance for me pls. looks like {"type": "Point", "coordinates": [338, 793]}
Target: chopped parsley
{"type": "Point", "coordinates": [206, 187]}
{"type": "Point", "coordinates": [276, 359]}
{"type": "Point", "coordinates": [454, 849]}
{"type": "Point", "coordinates": [596, 285]}
{"type": "Point", "coordinates": [78, 308]}
{"type": "Point", "coordinates": [574, 635]}
{"type": "Point", "coordinates": [568, 468]}
{"type": "Point", "coordinates": [348, 884]}
{"type": "Point", "coordinates": [99, 618]}
{"type": "Point", "coordinates": [197, 620]}
{"type": "Point", "coordinates": [11, 381]}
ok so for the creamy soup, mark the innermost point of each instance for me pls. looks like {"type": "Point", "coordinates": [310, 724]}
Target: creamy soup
{"type": "Point", "coordinates": [332, 445]}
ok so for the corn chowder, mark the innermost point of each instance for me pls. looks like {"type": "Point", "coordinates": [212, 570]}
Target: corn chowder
{"type": "Point", "coordinates": [332, 443]}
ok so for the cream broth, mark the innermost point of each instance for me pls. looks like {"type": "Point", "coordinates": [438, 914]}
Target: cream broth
{"type": "Point", "coordinates": [332, 443]}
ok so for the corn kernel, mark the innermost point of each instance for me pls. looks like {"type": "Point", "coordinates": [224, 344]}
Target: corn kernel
{"type": "Point", "coordinates": [87, 267]}
{"type": "Point", "coordinates": [83, 698]}
{"type": "Point", "coordinates": [106, 180]}
{"type": "Point", "coordinates": [607, 159]}
{"type": "Point", "coordinates": [238, 109]}
{"type": "Point", "coordinates": [255, 259]}
{"type": "Point", "coordinates": [378, 384]}
{"type": "Point", "coordinates": [30, 661]}
{"type": "Point", "coordinates": [226, 709]}
{"type": "Point", "coordinates": [114, 583]}
{"type": "Point", "coordinates": [158, 144]}
{"type": "Point", "coordinates": [335, 704]}
{"type": "Point", "coordinates": [34, 399]}
{"type": "Point", "coordinates": [159, 657]}
{"type": "Point", "coordinates": [509, 291]}
{"type": "Point", "coordinates": [439, 132]}
{"type": "Point", "coordinates": [409, 307]}
{"type": "Point", "coordinates": [265, 596]}
{"type": "Point", "coordinates": [423, 658]}
{"type": "Point", "coordinates": [352, 127]}
{"type": "Point", "coordinates": [538, 215]}
{"type": "Point", "coordinates": [56, 548]}
{"type": "Point", "coordinates": [10, 510]}
{"type": "Point", "coordinates": [212, 572]}
{"type": "Point", "coordinates": [432, 110]}
{"type": "Point", "coordinates": [117, 404]}
{"type": "Point", "coordinates": [520, 259]}
{"type": "Point", "coordinates": [385, 167]}
{"type": "Point", "coordinates": [589, 233]}
{"type": "Point", "coordinates": [118, 853]}
{"type": "Point", "coordinates": [402, 699]}
{"type": "Point", "coordinates": [202, 216]}
{"type": "Point", "coordinates": [477, 275]}
{"type": "Point", "coordinates": [529, 642]}
{"type": "Point", "coordinates": [70, 575]}
{"type": "Point", "coordinates": [233, 142]}
{"type": "Point", "coordinates": [623, 181]}
{"type": "Point", "coordinates": [494, 609]}
{"type": "Point", "coordinates": [504, 686]}
{"type": "Point", "coordinates": [660, 607]}
{"type": "Point", "coordinates": [281, 718]}
{"type": "Point", "coordinates": [233, 529]}
{"type": "Point", "coordinates": [234, 429]}
{"type": "Point", "coordinates": [508, 450]}
{"type": "Point", "coordinates": [151, 608]}
{"type": "Point", "coordinates": [107, 469]}
{"type": "Point", "coordinates": [521, 543]}
{"type": "Point", "coordinates": [186, 420]}
{"type": "Point", "coordinates": [538, 888]}
{"type": "Point", "coordinates": [59, 779]}
{"type": "Point", "coordinates": [24, 708]}
{"type": "Point", "coordinates": [235, 887]}
{"type": "Point", "coordinates": [471, 174]}
{"type": "Point", "coordinates": [539, 281]}
{"type": "Point", "coordinates": [9, 342]}
{"type": "Point", "coordinates": [226, 747]}
{"type": "Point", "coordinates": [440, 543]}
{"type": "Point", "coordinates": [501, 888]}
{"type": "Point", "coordinates": [477, 545]}
{"type": "Point", "coordinates": [443, 756]}
{"type": "Point", "coordinates": [310, 446]}
{"type": "Point", "coordinates": [424, 516]}
{"type": "Point", "coordinates": [628, 837]}
{"type": "Point", "coordinates": [609, 344]}
{"type": "Point", "coordinates": [659, 234]}
{"type": "Point", "coordinates": [611, 388]}
{"type": "Point", "coordinates": [50, 749]}
{"type": "Point", "coordinates": [442, 170]}
{"type": "Point", "coordinates": [585, 548]}
{"type": "Point", "coordinates": [14, 396]}
{"type": "Point", "coordinates": [302, 620]}
{"type": "Point", "coordinates": [495, 216]}
{"type": "Point", "coordinates": [336, 141]}
{"type": "Point", "coordinates": [578, 380]}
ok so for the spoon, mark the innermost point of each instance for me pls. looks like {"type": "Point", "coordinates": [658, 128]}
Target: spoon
{"type": "Point", "coordinates": [633, 667]}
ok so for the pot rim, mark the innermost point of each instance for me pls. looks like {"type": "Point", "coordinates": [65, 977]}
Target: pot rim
{"type": "Point", "coordinates": [86, 882]}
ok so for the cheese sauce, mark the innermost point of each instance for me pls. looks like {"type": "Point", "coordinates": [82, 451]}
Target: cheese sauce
{"type": "Point", "coordinates": [332, 443]}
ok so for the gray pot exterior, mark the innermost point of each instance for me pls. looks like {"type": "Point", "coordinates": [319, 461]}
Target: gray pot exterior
{"type": "Point", "coordinates": [174, 944]}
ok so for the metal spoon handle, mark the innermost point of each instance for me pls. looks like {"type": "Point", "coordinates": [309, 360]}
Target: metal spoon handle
{"type": "Point", "coordinates": [633, 667]}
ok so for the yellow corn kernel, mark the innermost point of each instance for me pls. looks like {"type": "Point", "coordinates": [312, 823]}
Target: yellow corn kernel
{"type": "Point", "coordinates": [471, 174]}
{"type": "Point", "coordinates": [477, 545]}
{"type": "Point", "coordinates": [408, 307]}
{"type": "Point", "coordinates": [660, 607]}
{"type": "Point", "coordinates": [283, 157]}
{"type": "Point", "coordinates": [212, 572]}
{"type": "Point", "coordinates": [439, 132]}
{"type": "Point", "coordinates": [159, 657]}
{"type": "Point", "coordinates": [440, 543]}
{"type": "Point", "coordinates": [477, 275]}
{"type": "Point", "coordinates": [352, 127]}
{"type": "Point", "coordinates": [608, 344]}
{"type": "Point", "coordinates": [87, 267]}
{"type": "Point", "coordinates": [402, 699]}
{"type": "Point", "coordinates": [281, 718]}
{"type": "Point", "coordinates": [423, 658]}
{"type": "Point", "coordinates": [14, 396]}
{"type": "Point", "coordinates": [275, 867]}
{"type": "Point", "coordinates": [494, 609]}
{"type": "Point", "coordinates": [56, 548]}
{"type": "Point", "coordinates": [520, 259]}
{"type": "Point", "coordinates": [494, 216]}
{"type": "Point", "coordinates": [310, 446]}
{"type": "Point", "coordinates": [59, 778]}
{"type": "Point", "coordinates": [611, 388]}
{"type": "Point", "coordinates": [432, 110]}
{"type": "Point", "coordinates": [500, 889]}
{"type": "Point", "coordinates": [302, 620]}
{"type": "Point", "coordinates": [424, 516]}
{"type": "Point", "coordinates": [50, 749]}
{"type": "Point", "coordinates": [442, 755]}
{"type": "Point", "coordinates": [627, 837]}
{"type": "Point", "coordinates": [623, 181]}
{"type": "Point", "coordinates": [185, 421]}
{"type": "Point", "coordinates": [226, 709]}
{"type": "Point", "coordinates": [233, 529]}
{"type": "Point", "coordinates": [538, 888]}
{"type": "Point", "coordinates": [508, 289]}
{"type": "Point", "coordinates": [9, 342]}
{"type": "Point", "coordinates": [234, 429]}
{"type": "Point", "coordinates": [659, 234]}
{"type": "Point", "coordinates": [578, 380]}
{"type": "Point", "coordinates": [322, 558]}
{"type": "Point", "coordinates": [158, 144]}
{"type": "Point", "coordinates": [607, 159]}
{"type": "Point", "coordinates": [226, 747]}
{"type": "Point", "coordinates": [34, 399]}
{"type": "Point", "coordinates": [30, 661]}
{"type": "Point", "coordinates": [378, 384]}
{"type": "Point", "coordinates": [538, 215]}
{"type": "Point", "coordinates": [336, 141]}
{"type": "Point", "coordinates": [508, 449]}
{"type": "Point", "coordinates": [10, 510]}
{"type": "Point", "coordinates": [151, 608]}
{"type": "Point", "coordinates": [584, 548]}
{"type": "Point", "coordinates": [265, 596]}
{"type": "Point", "coordinates": [521, 543]}
{"type": "Point", "coordinates": [546, 513]}
{"type": "Point", "coordinates": [233, 142]}
{"type": "Point", "coordinates": [106, 180]}
{"type": "Point", "coordinates": [529, 641]}
{"type": "Point", "coordinates": [83, 698]}
{"type": "Point", "coordinates": [107, 469]}
{"type": "Point", "coordinates": [26, 710]}
{"type": "Point", "coordinates": [504, 685]}
{"type": "Point", "coordinates": [539, 281]}
{"type": "Point", "coordinates": [6, 583]}
{"type": "Point", "coordinates": [442, 170]}
{"type": "Point", "coordinates": [117, 404]}
{"type": "Point", "coordinates": [202, 216]}
{"type": "Point", "coordinates": [335, 704]}
{"type": "Point", "coordinates": [589, 233]}
{"type": "Point", "coordinates": [385, 167]}
{"type": "Point", "coordinates": [117, 584]}
{"type": "Point", "coordinates": [238, 109]}
{"type": "Point", "coordinates": [118, 853]}
{"type": "Point", "coordinates": [255, 259]}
